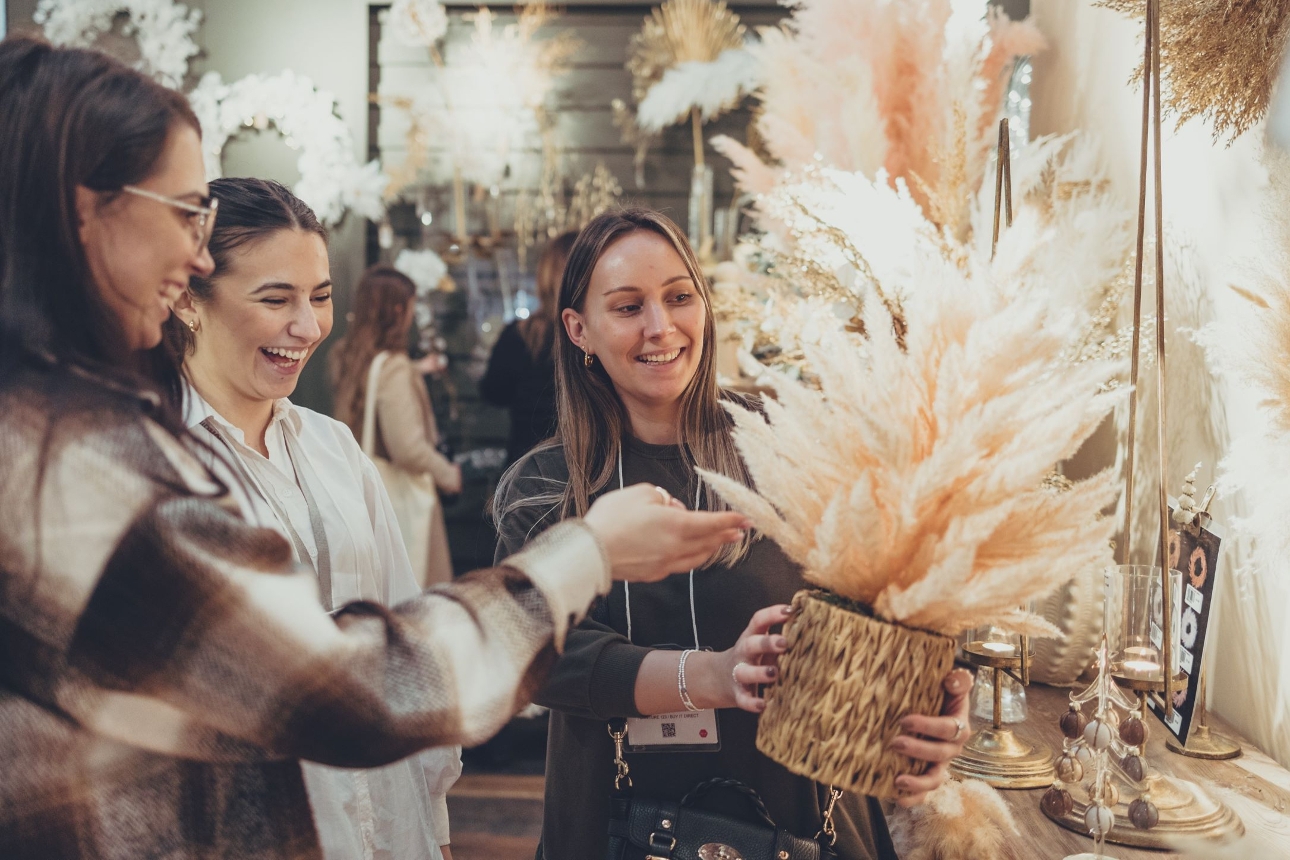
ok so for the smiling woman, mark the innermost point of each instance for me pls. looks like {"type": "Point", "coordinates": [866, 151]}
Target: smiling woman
{"type": "Point", "coordinates": [245, 333]}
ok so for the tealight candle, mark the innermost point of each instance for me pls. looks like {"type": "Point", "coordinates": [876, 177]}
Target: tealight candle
{"type": "Point", "coordinates": [1001, 648]}
{"type": "Point", "coordinates": [1140, 662]}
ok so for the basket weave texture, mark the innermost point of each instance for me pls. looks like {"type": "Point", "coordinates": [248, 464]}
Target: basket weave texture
{"type": "Point", "coordinates": [846, 681]}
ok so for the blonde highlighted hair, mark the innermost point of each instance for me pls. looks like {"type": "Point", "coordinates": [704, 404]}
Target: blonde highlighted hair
{"type": "Point", "coordinates": [592, 419]}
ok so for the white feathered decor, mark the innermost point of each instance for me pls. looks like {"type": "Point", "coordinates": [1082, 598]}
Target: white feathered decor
{"type": "Point", "coordinates": [911, 486]}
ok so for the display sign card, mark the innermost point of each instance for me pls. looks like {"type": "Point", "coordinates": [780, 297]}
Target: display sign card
{"type": "Point", "coordinates": [1193, 549]}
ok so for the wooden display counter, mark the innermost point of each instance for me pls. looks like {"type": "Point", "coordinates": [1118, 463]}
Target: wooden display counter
{"type": "Point", "coordinates": [1253, 785]}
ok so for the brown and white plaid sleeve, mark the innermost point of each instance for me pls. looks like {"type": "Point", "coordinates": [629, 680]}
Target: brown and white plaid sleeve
{"type": "Point", "coordinates": [162, 665]}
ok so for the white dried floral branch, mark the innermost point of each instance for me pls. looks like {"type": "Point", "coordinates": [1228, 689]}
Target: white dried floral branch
{"type": "Point", "coordinates": [912, 480]}
{"type": "Point", "coordinates": [332, 181]}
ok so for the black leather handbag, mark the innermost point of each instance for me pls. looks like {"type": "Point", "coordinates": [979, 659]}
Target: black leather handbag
{"type": "Point", "coordinates": [648, 829]}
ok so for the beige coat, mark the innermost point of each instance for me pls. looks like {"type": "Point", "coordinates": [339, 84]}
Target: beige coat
{"type": "Point", "coordinates": [406, 435]}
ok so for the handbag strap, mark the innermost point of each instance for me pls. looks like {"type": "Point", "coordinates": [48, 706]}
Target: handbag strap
{"type": "Point", "coordinates": [368, 442]}
{"type": "Point", "coordinates": [735, 785]}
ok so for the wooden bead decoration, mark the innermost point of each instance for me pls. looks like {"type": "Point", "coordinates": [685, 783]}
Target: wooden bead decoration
{"type": "Point", "coordinates": [1073, 723]}
{"type": "Point", "coordinates": [1099, 820]}
{"type": "Point", "coordinates": [1069, 769]}
{"type": "Point", "coordinates": [1057, 802]}
{"type": "Point", "coordinates": [1133, 732]}
{"type": "Point", "coordinates": [1143, 814]}
{"type": "Point", "coordinates": [1097, 734]}
{"type": "Point", "coordinates": [1133, 767]}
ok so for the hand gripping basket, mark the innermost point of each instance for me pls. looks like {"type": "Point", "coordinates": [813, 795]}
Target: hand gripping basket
{"type": "Point", "coordinates": [846, 681]}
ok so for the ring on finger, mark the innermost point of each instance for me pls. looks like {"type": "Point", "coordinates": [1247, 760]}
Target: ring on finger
{"type": "Point", "coordinates": [667, 497]}
{"type": "Point", "coordinates": [734, 675]}
{"type": "Point", "coordinates": [958, 729]}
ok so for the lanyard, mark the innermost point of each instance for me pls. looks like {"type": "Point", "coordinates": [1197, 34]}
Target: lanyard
{"type": "Point", "coordinates": [627, 587]}
{"type": "Point", "coordinates": [298, 465]}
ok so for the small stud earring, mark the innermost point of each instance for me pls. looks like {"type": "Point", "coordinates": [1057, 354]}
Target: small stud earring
{"type": "Point", "coordinates": [586, 359]}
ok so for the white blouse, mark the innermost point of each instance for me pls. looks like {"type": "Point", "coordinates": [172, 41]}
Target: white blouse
{"type": "Point", "coordinates": [398, 812]}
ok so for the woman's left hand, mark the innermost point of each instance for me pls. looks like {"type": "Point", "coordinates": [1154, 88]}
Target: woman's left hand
{"type": "Point", "coordinates": [934, 739]}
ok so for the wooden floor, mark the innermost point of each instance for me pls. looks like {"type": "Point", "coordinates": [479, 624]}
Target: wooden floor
{"type": "Point", "coordinates": [495, 816]}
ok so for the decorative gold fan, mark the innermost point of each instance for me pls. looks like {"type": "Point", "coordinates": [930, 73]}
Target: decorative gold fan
{"type": "Point", "coordinates": [677, 32]}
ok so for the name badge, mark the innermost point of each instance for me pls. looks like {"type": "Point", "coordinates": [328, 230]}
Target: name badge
{"type": "Point", "coordinates": [688, 731]}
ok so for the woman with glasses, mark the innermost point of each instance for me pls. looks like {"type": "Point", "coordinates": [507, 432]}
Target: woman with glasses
{"type": "Point", "coordinates": [244, 334]}
{"type": "Point", "coordinates": [164, 664]}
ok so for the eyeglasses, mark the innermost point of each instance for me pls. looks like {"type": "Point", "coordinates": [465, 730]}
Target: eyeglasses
{"type": "Point", "coordinates": [203, 225]}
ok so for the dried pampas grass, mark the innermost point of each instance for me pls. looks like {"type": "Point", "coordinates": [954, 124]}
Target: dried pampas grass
{"type": "Point", "coordinates": [912, 87]}
{"type": "Point", "coordinates": [712, 87]}
{"type": "Point", "coordinates": [960, 821]}
{"type": "Point", "coordinates": [912, 480]}
{"type": "Point", "coordinates": [1219, 58]}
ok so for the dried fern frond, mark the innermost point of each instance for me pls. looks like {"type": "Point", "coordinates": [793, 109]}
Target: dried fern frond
{"type": "Point", "coordinates": [680, 31]}
{"type": "Point", "coordinates": [912, 479]}
{"type": "Point", "coordinates": [1218, 58]}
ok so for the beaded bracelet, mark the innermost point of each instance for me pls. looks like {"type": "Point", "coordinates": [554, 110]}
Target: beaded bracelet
{"type": "Point", "coordinates": [680, 682]}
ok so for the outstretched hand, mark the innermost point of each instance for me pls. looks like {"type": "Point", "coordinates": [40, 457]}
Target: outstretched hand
{"type": "Point", "coordinates": [650, 535]}
{"type": "Point", "coordinates": [938, 740]}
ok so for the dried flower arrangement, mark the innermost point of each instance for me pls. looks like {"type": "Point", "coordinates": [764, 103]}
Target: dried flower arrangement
{"type": "Point", "coordinates": [909, 482]}
{"type": "Point", "coordinates": [1219, 60]}
{"type": "Point", "coordinates": [692, 53]}
{"type": "Point", "coordinates": [912, 480]}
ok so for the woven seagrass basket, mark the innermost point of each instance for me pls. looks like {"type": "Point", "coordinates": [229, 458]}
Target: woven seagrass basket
{"type": "Point", "coordinates": [845, 683]}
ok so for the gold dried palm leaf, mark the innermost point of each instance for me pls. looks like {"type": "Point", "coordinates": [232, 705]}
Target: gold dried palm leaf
{"type": "Point", "coordinates": [1219, 58]}
{"type": "Point", "coordinates": [680, 31]}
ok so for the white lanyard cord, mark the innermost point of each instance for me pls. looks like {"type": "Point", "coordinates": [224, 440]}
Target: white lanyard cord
{"type": "Point", "coordinates": [627, 587]}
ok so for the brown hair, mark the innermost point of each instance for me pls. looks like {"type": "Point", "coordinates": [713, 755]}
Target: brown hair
{"type": "Point", "coordinates": [72, 118]}
{"type": "Point", "coordinates": [538, 331]}
{"type": "Point", "coordinates": [378, 324]}
{"type": "Point", "coordinates": [592, 419]}
{"type": "Point", "coordinates": [250, 210]}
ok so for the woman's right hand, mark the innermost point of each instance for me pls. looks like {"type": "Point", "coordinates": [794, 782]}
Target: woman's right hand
{"type": "Point", "coordinates": [649, 537]}
{"type": "Point", "coordinates": [452, 486]}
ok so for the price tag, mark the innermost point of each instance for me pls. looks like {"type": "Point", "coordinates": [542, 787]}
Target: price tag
{"type": "Point", "coordinates": [1155, 636]}
{"type": "Point", "coordinates": [1185, 660]}
{"type": "Point", "coordinates": [1194, 598]}
{"type": "Point", "coordinates": [688, 731]}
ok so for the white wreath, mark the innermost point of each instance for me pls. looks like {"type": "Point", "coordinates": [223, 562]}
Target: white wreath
{"type": "Point", "coordinates": [332, 181]}
{"type": "Point", "coordinates": [163, 30]}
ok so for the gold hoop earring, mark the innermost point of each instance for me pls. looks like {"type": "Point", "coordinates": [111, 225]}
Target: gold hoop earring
{"type": "Point", "coordinates": [192, 326]}
{"type": "Point", "coordinates": [586, 359]}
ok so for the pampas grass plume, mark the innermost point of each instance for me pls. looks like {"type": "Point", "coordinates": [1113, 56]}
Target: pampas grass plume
{"type": "Point", "coordinates": [965, 820]}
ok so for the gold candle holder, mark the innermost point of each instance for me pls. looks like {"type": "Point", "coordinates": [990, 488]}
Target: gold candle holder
{"type": "Point", "coordinates": [996, 754]}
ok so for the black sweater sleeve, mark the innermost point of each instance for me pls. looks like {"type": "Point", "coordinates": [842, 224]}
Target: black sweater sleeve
{"type": "Point", "coordinates": [596, 676]}
{"type": "Point", "coordinates": [506, 366]}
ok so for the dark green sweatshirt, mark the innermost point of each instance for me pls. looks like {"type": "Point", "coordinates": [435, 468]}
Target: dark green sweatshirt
{"type": "Point", "coordinates": [595, 680]}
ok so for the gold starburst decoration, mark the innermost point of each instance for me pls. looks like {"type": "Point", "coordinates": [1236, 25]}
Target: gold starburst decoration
{"type": "Point", "coordinates": [1219, 58]}
{"type": "Point", "coordinates": [677, 32]}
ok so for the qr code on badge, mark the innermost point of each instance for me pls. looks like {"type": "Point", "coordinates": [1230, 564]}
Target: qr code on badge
{"type": "Point", "coordinates": [669, 730]}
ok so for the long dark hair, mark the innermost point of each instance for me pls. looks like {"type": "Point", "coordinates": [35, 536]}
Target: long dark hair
{"type": "Point", "coordinates": [592, 419]}
{"type": "Point", "coordinates": [378, 324]}
{"type": "Point", "coordinates": [250, 210]}
{"type": "Point", "coordinates": [70, 118]}
{"type": "Point", "coordinates": [538, 331]}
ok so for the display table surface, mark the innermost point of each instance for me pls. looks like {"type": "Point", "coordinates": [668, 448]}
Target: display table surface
{"type": "Point", "coordinates": [1253, 785]}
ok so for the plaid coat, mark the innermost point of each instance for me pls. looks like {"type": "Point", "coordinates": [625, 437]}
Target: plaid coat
{"type": "Point", "coordinates": [163, 666]}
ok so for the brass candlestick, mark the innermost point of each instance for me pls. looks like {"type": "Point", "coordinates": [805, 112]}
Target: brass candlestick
{"type": "Point", "coordinates": [997, 755]}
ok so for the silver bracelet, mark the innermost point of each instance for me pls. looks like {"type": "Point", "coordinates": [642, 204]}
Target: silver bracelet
{"type": "Point", "coordinates": [680, 682]}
